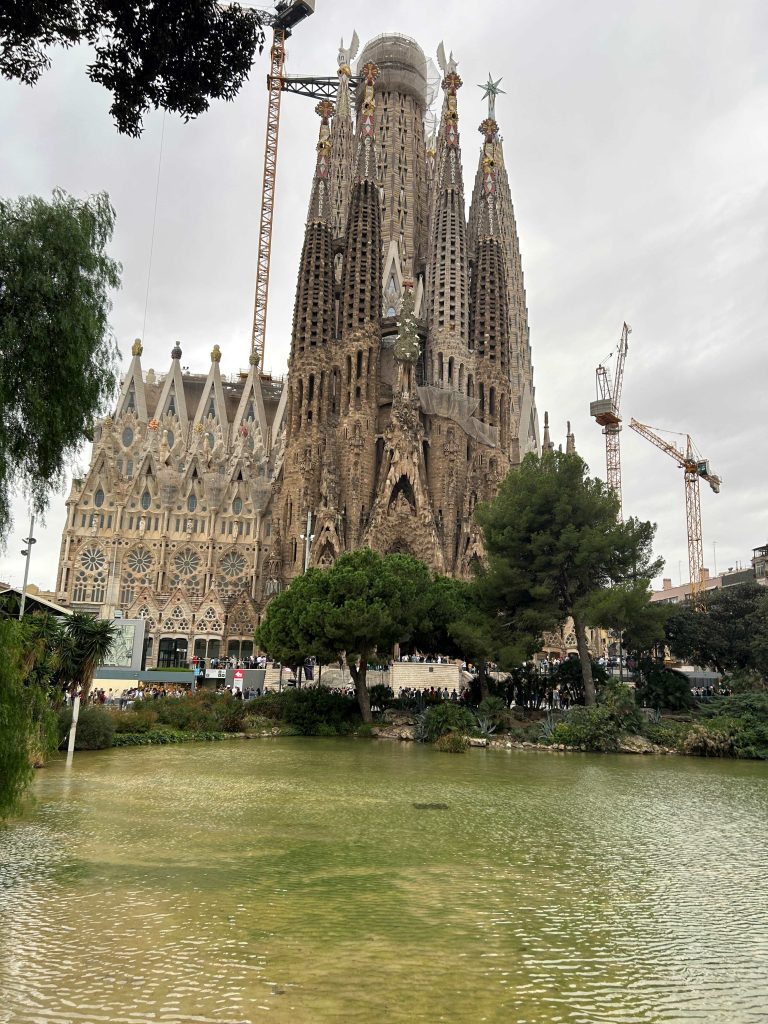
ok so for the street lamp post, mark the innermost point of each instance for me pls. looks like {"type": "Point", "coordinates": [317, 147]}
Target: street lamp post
{"type": "Point", "coordinates": [29, 541]}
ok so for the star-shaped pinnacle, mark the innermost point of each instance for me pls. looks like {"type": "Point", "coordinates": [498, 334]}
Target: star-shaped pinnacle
{"type": "Point", "coordinates": [490, 91]}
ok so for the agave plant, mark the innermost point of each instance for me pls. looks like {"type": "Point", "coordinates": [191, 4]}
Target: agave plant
{"type": "Point", "coordinates": [486, 726]}
{"type": "Point", "coordinates": [420, 728]}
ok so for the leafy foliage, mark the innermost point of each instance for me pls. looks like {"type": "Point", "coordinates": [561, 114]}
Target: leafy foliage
{"type": "Point", "coordinates": [178, 54]}
{"type": "Point", "coordinates": [662, 688]}
{"type": "Point", "coordinates": [599, 727]}
{"type": "Point", "coordinates": [452, 743]}
{"type": "Point", "coordinates": [58, 361]}
{"type": "Point", "coordinates": [95, 728]}
{"type": "Point", "coordinates": [447, 717]}
{"type": "Point", "coordinates": [729, 633]}
{"type": "Point", "coordinates": [365, 602]}
{"type": "Point", "coordinates": [554, 547]}
{"type": "Point", "coordinates": [15, 767]}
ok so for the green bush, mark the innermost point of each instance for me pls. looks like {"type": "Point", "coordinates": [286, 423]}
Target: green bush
{"type": "Point", "coordinates": [95, 728]}
{"type": "Point", "coordinates": [136, 719]}
{"type": "Point", "coordinates": [704, 741]}
{"type": "Point", "coordinates": [667, 733]}
{"type": "Point", "coordinates": [452, 743]}
{"type": "Point", "coordinates": [162, 736]}
{"type": "Point", "coordinates": [447, 717]}
{"type": "Point", "coordinates": [594, 727]}
{"type": "Point", "coordinates": [307, 710]}
{"type": "Point", "coordinates": [663, 688]}
{"type": "Point", "coordinates": [381, 695]}
{"type": "Point", "coordinates": [206, 711]}
{"type": "Point", "coordinates": [364, 730]}
{"type": "Point", "coordinates": [324, 729]}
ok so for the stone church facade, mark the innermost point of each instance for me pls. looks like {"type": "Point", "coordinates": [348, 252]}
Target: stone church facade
{"type": "Point", "coordinates": [409, 393]}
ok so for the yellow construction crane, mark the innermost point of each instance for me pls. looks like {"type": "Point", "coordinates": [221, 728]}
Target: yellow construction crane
{"type": "Point", "coordinates": [696, 468]}
{"type": "Point", "coordinates": [607, 412]}
{"type": "Point", "coordinates": [286, 16]}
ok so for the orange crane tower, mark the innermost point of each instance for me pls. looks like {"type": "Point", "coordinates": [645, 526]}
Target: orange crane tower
{"type": "Point", "coordinates": [286, 16]}
{"type": "Point", "coordinates": [607, 412]}
{"type": "Point", "coordinates": [695, 469]}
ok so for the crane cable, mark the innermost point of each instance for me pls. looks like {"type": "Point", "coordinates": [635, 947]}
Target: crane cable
{"type": "Point", "coordinates": [154, 222]}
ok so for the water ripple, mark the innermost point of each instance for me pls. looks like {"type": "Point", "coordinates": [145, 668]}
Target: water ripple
{"type": "Point", "coordinates": [304, 882]}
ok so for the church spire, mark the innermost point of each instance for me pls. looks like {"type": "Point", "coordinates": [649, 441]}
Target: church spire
{"type": "Point", "coordinates": [342, 141]}
{"type": "Point", "coordinates": [313, 316]}
{"type": "Point", "coordinates": [361, 277]}
{"type": "Point", "coordinates": [489, 308]}
{"type": "Point", "coordinates": [447, 269]}
{"type": "Point", "coordinates": [547, 444]}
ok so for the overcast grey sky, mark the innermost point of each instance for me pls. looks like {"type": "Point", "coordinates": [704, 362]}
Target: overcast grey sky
{"type": "Point", "coordinates": [635, 138]}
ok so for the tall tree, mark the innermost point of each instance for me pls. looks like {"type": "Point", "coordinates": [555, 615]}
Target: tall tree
{"type": "Point", "coordinates": [729, 633]}
{"type": "Point", "coordinates": [554, 544]}
{"type": "Point", "coordinates": [58, 359]}
{"type": "Point", "coordinates": [364, 603]}
{"type": "Point", "coordinates": [178, 54]}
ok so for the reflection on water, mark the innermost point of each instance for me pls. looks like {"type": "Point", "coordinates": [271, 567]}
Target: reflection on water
{"type": "Point", "coordinates": [327, 880]}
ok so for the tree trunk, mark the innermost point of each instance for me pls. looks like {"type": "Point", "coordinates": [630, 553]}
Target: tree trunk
{"type": "Point", "coordinates": [361, 688]}
{"type": "Point", "coordinates": [482, 678]}
{"type": "Point", "coordinates": [585, 659]}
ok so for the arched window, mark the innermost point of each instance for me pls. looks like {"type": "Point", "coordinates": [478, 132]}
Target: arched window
{"type": "Point", "coordinates": [98, 498]}
{"type": "Point", "coordinates": [80, 588]}
{"type": "Point", "coordinates": [237, 506]}
{"type": "Point", "coordinates": [170, 438]}
{"type": "Point", "coordinates": [146, 500]}
{"type": "Point", "coordinates": [191, 503]}
{"type": "Point", "coordinates": [127, 437]}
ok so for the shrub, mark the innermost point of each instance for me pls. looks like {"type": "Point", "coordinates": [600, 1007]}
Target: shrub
{"type": "Point", "coordinates": [452, 743]}
{"type": "Point", "coordinates": [381, 695]}
{"type": "Point", "coordinates": [666, 733]}
{"type": "Point", "coordinates": [364, 730]}
{"type": "Point", "coordinates": [95, 728]}
{"type": "Point", "coordinates": [619, 701]}
{"type": "Point", "coordinates": [162, 736]}
{"type": "Point", "coordinates": [594, 727]}
{"type": "Point", "coordinates": [134, 720]}
{"type": "Point", "coordinates": [447, 717]}
{"type": "Point", "coordinates": [307, 710]}
{"type": "Point", "coordinates": [324, 729]}
{"type": "Point", "coordinates": [707, 742]}
{"type": "Point", "coordinates": [494, 709]}
{"type": "Point", "coordinates": [660, 687]}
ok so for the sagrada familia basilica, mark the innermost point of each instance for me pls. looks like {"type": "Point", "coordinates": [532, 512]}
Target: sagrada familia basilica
{"type": "Point", "coordinates": [408, 398]}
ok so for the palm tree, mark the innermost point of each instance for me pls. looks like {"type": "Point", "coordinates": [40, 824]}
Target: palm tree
{"type": "Point", "coordinates": [85, 643]}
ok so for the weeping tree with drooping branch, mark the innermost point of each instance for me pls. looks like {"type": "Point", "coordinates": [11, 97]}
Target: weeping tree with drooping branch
{"type": "Point", "coordinates": [58, 359]}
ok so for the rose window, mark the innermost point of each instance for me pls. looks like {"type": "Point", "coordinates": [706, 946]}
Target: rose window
{"type": "Point", "coordinates": [92, 559]}
{"type": "Point", "coordinates": [232, 564]}
{"type": "Point", "coordinates": [187, 562]}
{"type": "Point", "coordinates": [140, 561]}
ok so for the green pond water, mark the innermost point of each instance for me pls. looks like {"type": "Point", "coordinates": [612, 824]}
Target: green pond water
{"type": "Point", "coordinates": [298, 880]}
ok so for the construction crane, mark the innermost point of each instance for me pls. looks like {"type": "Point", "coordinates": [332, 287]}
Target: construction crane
{"type": "Point", "coordinates": [607, 412]}
{"type": "Point", "coordinates": [696, 468]}
{"type": "Point", "coordinates": [286, 16]}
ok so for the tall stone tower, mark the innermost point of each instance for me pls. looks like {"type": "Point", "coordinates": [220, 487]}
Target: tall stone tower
{"type": "Point", "coordinates": [409, 393]}
{"type": "Point", "coordinates": [410, 389]}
